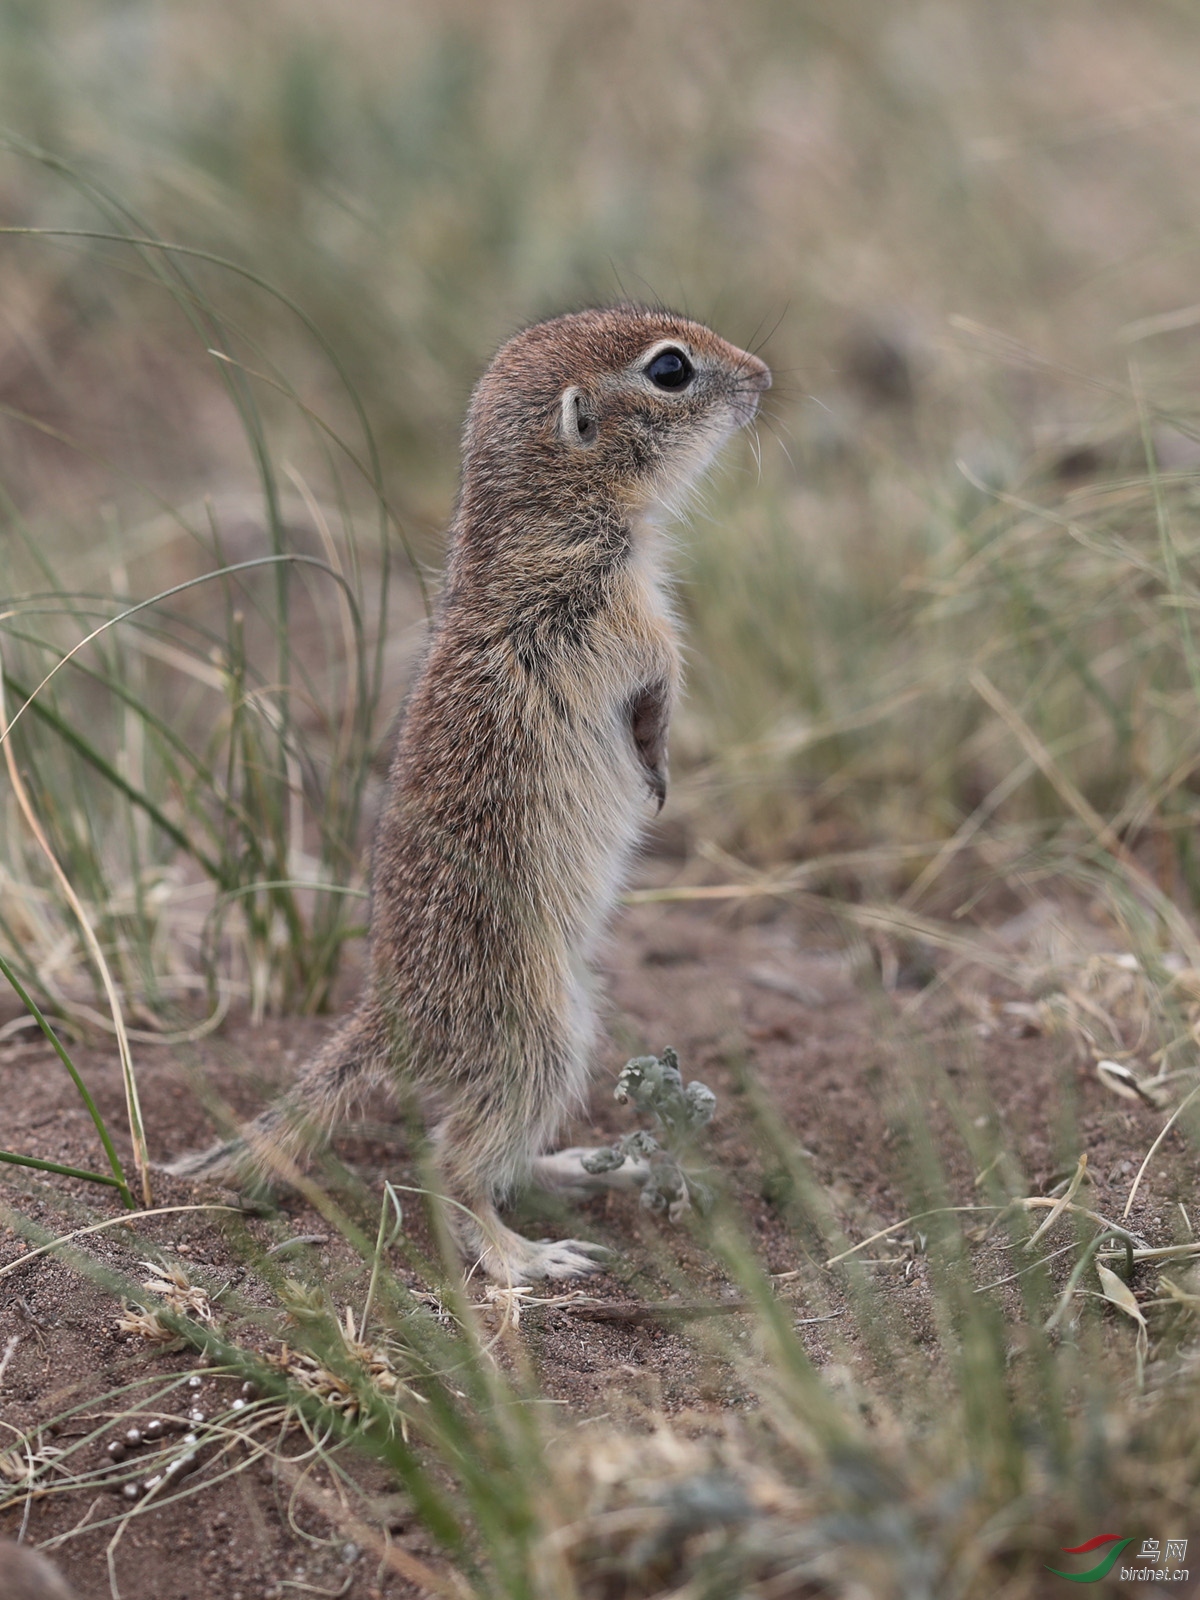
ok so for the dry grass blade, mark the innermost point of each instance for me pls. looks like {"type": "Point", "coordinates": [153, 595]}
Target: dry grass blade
{"type": "Point", "coordinates": [96, 1227]}
{"type": "Point", "coordinates": [1062, 1204]}
{"type": "Point", "coordinates": [1117, 1077]}
{"type": "Point", "coordinates": [896, 1227]}
{"type": "Point", "coordinates": [1150, 1154]}
{"type": "Point", "coordinates": [1119, 1294]}
{"type": "Point", "coordinates": [1050, 769]}
{"type": "Point", "coordinates": [1162, 1252]}
{"type": "Point", "coordinates": [1184, 1297]}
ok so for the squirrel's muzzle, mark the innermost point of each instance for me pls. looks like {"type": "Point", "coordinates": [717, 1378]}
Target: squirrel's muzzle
{"type": "Point", "coordinates": [753, 379]}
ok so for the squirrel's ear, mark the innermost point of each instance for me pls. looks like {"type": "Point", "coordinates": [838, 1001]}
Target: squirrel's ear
{"type": "Point", "coordinates": [577, 420]}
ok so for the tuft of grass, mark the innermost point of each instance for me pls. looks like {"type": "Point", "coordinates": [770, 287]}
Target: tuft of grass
{"type": "Point", "coordinates": [258, 788]}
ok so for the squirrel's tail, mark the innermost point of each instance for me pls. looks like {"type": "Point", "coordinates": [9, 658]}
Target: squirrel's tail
{"type": "Point", "coordinates": [341, 1072]}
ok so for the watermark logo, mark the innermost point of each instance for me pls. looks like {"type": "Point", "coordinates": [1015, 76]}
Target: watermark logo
{"type": "Point", "coordinates": [1103, 1567]}
{"type": "Point", "coordinates": [1154, 1562]}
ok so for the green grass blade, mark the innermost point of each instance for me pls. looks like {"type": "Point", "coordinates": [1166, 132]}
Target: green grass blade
{"type": "Point", "coordinates": [15, 1160]}
{"type": "Point", "coordinates": [31, 1006]}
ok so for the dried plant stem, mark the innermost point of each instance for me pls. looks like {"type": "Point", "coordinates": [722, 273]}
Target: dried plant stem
{"type": "Point", "coordinates": [97, 1227]}
{"type": "Point", "coordinates": [1165, 1130]}
{"type": "Point", "coordinates": [1101, 831]}
{"type": "Point", "coordinates": [1060, 1205]}
{"type": "Point", "coordinates": [938, 1211]}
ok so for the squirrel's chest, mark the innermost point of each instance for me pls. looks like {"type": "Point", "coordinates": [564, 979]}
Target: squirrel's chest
{"type": "Point", "coordinates": [621, 710]}
{"type": "Point", "coordinates": [635, 642]}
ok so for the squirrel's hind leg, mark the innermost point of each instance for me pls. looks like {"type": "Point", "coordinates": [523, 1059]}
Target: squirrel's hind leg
{"type": "Point", "coordinates": [482, 1152]}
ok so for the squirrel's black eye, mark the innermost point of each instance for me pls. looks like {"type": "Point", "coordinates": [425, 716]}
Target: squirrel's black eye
{"type": "Point", "coordinates": [670, 369]}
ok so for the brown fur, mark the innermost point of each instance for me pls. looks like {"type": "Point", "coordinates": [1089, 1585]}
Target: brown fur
{"type": "Point", "coordinates": [25, 1574]}
{"type": "Point", "coordinates": [532, 751]}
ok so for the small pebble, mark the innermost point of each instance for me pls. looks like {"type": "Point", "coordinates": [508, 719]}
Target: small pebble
{"type": "Point", "coordinates": [130, 1491]}
{"type": "Point", "coordinates": [194, 1381]}
{"type": "Point", "coordinates": [196, 1416]}
{"type": "Point", "coordinates": [189, 1438]}
{"type": "Point", "coordinates": [238, 1405]}
{"type": "Point", "coordinates": [133, 1437]}
{"type": "Point", "coordinates": [350, 1554]}
{"type": "Point", "coordinates": [154, 1430]}
{"type": "Point", "coordinates": [116, 1450]}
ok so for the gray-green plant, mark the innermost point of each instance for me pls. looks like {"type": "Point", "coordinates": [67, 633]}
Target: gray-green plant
{"type": "Point", "coordinates": [654, 1086]}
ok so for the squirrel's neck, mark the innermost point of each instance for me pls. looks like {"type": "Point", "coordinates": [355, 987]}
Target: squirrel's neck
{"type": "Point", "coordinates": [493, 544]}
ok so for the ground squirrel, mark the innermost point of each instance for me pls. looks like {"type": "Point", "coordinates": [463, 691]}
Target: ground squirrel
{"type": "Point", "coordinates": [532, 752]}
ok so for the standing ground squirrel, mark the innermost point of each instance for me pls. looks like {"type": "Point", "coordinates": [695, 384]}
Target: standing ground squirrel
{"type": "Point", "coordinates": [533, 750]}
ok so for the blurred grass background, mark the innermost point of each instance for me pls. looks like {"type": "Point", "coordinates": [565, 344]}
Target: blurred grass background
{"type": "Point", "coordinates": [967, 233]}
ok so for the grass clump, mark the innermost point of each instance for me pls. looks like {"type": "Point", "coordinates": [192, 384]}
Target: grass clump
{"type": "Point", "coordinates": [177, 754]}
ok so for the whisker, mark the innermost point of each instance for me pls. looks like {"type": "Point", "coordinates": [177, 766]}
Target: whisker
{"type": "Point", "coordinates": [772, 331]}
{"type": "Point", "coordinates": [771, 424]}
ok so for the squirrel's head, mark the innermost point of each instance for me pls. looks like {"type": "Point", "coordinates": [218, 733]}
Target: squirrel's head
{"type": "Point", "coordinates": [607, 410]}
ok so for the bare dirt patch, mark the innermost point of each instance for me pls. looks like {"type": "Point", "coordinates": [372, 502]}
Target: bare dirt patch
{"type": "Point", "coordinates": [755, 1006]}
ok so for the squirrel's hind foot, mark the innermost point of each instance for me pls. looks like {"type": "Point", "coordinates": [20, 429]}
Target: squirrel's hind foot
{"type": "Point", "coordinates": [509, 1258]}
{"type": "Point", "coordinates": [535, 1259]}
